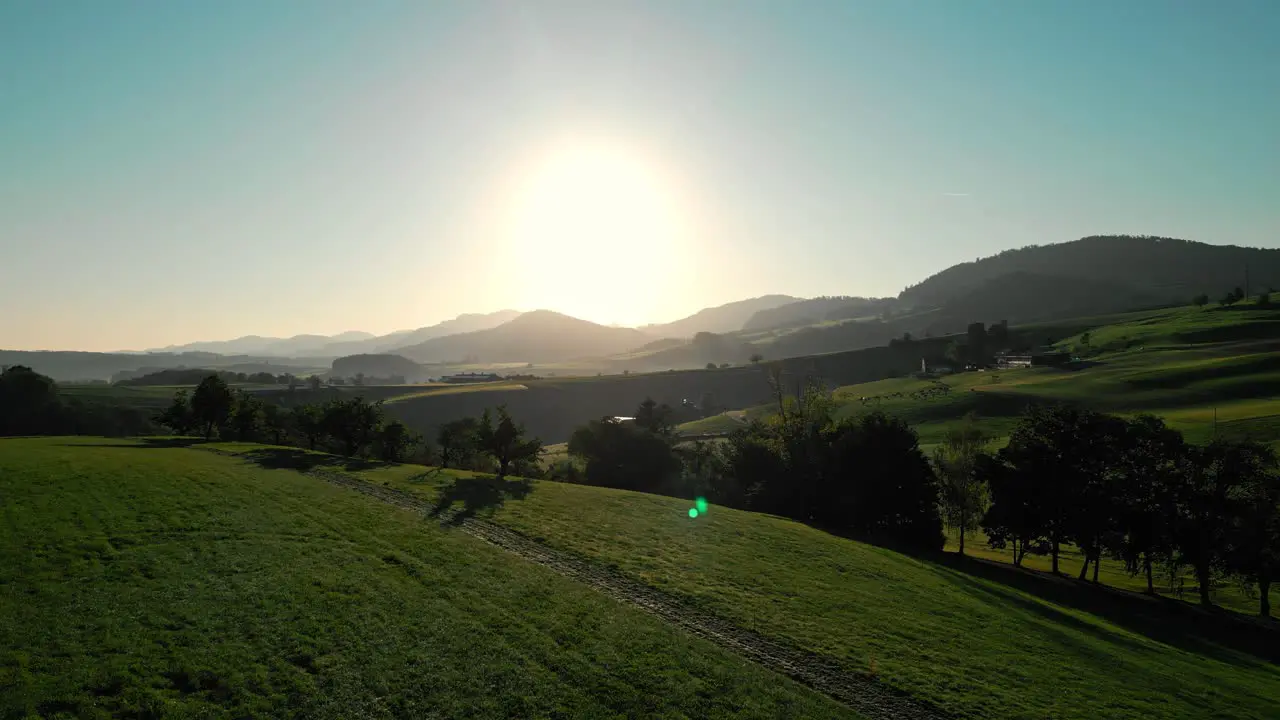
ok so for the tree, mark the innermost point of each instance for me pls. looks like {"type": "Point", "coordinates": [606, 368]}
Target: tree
{"type": "Point", "coordinates": [309, 420]}
{"type": "Point", "coordinates": [1065, 452]}
{"type": "Point", "coordinates": [1264, 300]}
{"type": "Point", "coordinates": [1232, 297]}
{"type": "Point", "coordinates": [505, 441]}
{"type": "Point", "coordinates": [963, 491]}
{"type": "Point", "coordinates": [28, 402]}
{"type": "Point", "coordinates": [1200, 300]}
{"type": "Point", "coordinates": [1220, 474]}
{"type": "Point", "coordinates": [275, 422]}
{"type": "Point", "coordinates": [655, 418]}
{"type": "Point", "coordinates": [874, 482]}
{"type": "Point", "coordinates": [1152, 468]}
{"type": "Point", "coordinates": [211, 404]}
{"type": "Point", "coordinates": [627, 456]}
{"type": "Point", "coordinates": [756, 358]}
{"type": "Point", "coordinates": [395, 440]}
{"type": "Point", "coordinates": [314, 383]}
{"type": "Point", "coordinates": [245, 419]}
{"type": "Point", "coordinates": [711, 366]}
{"type": "Point", "coordinates": [1012, 520]}
{"type": "Point", "coordinates": [1255, 534]}
{"type": "Point", "coordinates": [178, 416]}
{"type": "Point", "coordinates": [457, 441]}
{"type": "Point", "coordinates": [352, 423]}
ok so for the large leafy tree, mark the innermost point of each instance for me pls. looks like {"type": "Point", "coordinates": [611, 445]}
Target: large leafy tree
{"type": "Point", "coordinates": [352, 423]}
{"type": "Point", "coordinates": [395, 441]}
{"type": "Point", "coordinates": [211, 404]}
{"type": "Point", "coordinates": [875, 482]}
{"type": "Point", "coordinates": [1255, 539]}
{"type": "Point", "coordinates": [1214, 499]}
{"type": "Point", "coordinates": [28, 402]}
{"type": "Point", "coordinates": [457, 441]}
{"type": "Point", "coordinates": [1013, 517]}
{"type": "Point", "coordinates": [504, 440]}
{"type": "Point", "coordinates": [1152, 470]}
{"type": "Point", "coordinates": [632, 456]}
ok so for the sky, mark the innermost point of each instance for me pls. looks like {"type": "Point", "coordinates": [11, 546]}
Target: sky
{"type": "Point", "coordinates": [180, 171]}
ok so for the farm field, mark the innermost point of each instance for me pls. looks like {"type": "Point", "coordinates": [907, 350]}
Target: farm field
{"type": "Point", "coordinates": [153, 581]}
{"type": "Point", "coordinates": [976, 639]}
{"type": "Point", "coordinates": [1183, 364]}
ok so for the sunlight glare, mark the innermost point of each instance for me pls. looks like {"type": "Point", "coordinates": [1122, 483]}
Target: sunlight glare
{"type": "Point", "coordinates": [602, 219]}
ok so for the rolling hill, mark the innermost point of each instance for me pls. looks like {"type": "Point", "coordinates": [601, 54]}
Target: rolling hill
{"type": "Point", "coordinates": [534, 337]}
{"type": "Point", "coordinates": [1170, 269]}
{"type": "Point", "coordinates": [467, 322]}
{"type": "Point", "coordinates": [247, 580]}
{"type": "Point", "coordinates": [152, 581]}
{"type": "Point", "coordinates": [272, 346]}
{"type": "Point", "coordinates": [721, 319]}
{"type": "Point", "coordinates": [815, 310]}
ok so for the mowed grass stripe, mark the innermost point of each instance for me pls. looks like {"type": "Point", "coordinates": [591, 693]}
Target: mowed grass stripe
{"type": "Point", "coordinates": [176, 583]}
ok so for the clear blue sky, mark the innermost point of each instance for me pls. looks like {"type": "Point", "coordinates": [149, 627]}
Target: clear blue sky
{"type": "Point", "coordinates": [173, 171]}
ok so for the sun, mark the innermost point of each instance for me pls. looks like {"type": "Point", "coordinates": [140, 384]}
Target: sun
{"type": "Point", "coordinates": [592, 225]}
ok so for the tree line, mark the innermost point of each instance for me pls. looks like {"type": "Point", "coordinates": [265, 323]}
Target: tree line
{"type": "Point", "coordinates": [350, 426]}
{"type": "Point", "coordinates": [865, 477]}
{"type": "Point", "coordinates": [1130, 489]}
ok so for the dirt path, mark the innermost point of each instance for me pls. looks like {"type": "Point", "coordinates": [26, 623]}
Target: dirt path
{"type": "Point", "coordinates": [859, 692]}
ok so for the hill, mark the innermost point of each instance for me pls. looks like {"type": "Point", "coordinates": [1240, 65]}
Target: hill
{"type": "Point", "coordinates": [534, 337]}
{"type": "Point", "coordinates": [273, 346]}
{"type": "Point", "coordinates": [71, 366]}
{"type": "Point", "coordinates": [465, 323]}
{"type": "Point", "coordinates": [1204, 370]}
{"type": "Point", "coordinates": [721, 319]}
{"type": "Point", "coordinates": [157, 581]}
{"type": "Point", "coordinates": [379, 366]}
{"type": "Point", "coordinates": [816, 310]}
{"type": "Point", "coordinates": [314, 590]}
{"type": "Point", "coordinates": [1171, 269]}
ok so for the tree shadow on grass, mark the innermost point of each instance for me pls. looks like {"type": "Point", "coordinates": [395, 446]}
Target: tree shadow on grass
{"type": "Point", "coordinates": [483, 493]}
{"type": "Point", "coordinates": [284, 458]}
{"type": "Point", "coordinates": [1220, 634]}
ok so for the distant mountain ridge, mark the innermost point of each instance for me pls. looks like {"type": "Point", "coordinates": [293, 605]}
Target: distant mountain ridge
{"type": "Point", "coordinates": [720, 319]}
{"type": "Point", "coordinates": [259, 345]}
{"type": "Point", "coordinates": [353, 342]}
{"type": "Point", "coordinates": [464, 323]}
{"type": "Point", "coordinates": [540, 336]}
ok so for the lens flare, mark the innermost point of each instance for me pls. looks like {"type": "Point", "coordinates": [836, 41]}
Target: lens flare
{"type": "Point", "coordinates": [693, 512]}
{"type": "Point", "coordinates": [700, 504]}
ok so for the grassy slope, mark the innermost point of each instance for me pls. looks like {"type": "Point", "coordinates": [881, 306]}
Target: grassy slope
{"type": "Point", "coordinates": [1179, 363]}
{"type": "Point", "coordinates": [977, 639]}
{"type": "Point", "coordinates": [150, 582]}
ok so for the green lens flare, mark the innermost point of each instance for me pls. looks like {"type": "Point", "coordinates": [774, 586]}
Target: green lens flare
{"type": "Point", "coordinates": [701, 504]}
{"type": "Point", "coordinates": [693, 512]}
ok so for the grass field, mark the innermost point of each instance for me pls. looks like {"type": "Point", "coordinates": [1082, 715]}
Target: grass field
{"type": "Point", "coordinates": [977, 639]}
{"type": "Point", "coordinates": [164, 582]}
{"type": "Point", "coordinates": [1205, 370]}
